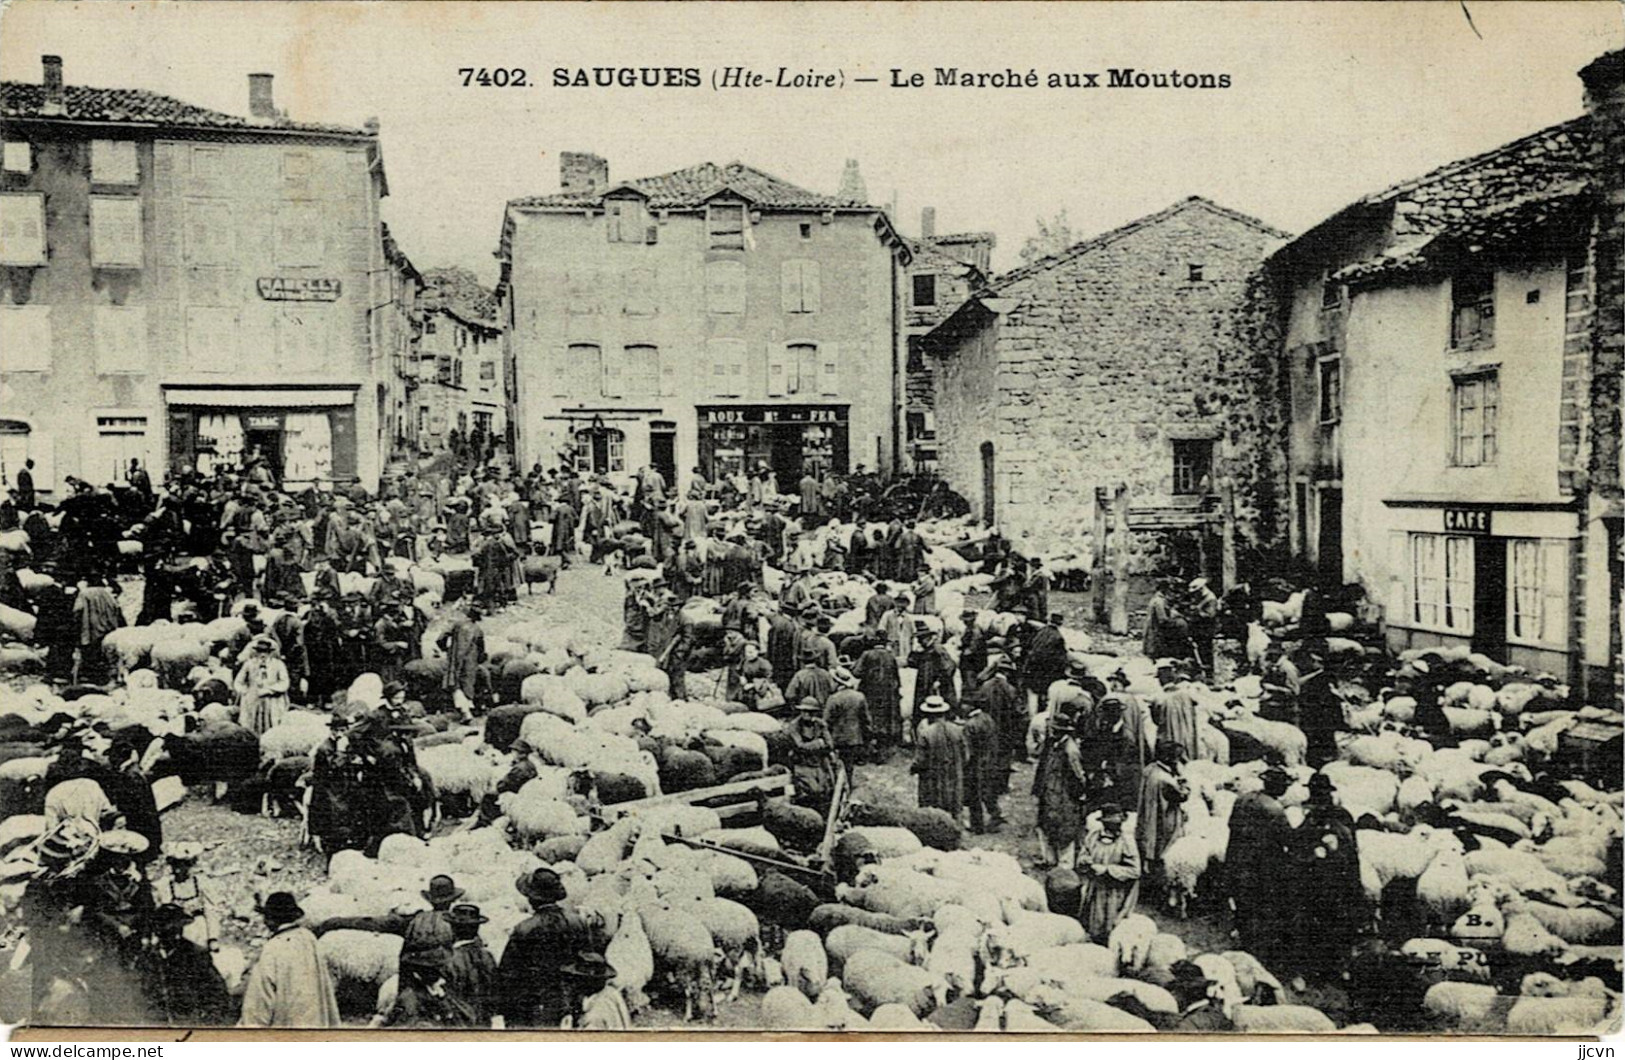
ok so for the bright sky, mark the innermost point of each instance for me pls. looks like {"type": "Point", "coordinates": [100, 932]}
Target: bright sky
{"type": "Point", "coordinates": [1330, 100]}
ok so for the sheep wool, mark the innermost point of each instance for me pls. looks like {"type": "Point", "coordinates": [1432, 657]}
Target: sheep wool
{"type": "Point", "coordinates": [806, 965]}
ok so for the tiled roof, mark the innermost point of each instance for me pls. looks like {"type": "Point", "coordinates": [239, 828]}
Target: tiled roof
{"type": "Point", "coordinates": [1511, 224]}
{"type": "Point", "coordinates": [1077, 250]}
{"type": "Point", "coordinates": [134, 106]}
{"type": "Point", "coordinates": [692, 187]}
{"type": "Point", "coordinates": [930, 252]}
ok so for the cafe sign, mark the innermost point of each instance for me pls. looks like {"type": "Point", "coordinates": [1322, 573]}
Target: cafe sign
{"type": "Point", "coordinates": [298, 288]}
{"type": "Point", "coordinates": [1474, 521]}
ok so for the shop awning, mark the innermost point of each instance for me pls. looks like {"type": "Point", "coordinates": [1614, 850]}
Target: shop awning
{"type": "Point", "coordinates": [272, 399]}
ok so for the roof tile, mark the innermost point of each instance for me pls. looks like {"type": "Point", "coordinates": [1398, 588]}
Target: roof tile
{"type": "Point", "coordinates": [692, 187]}
{"type": "Point", "coordinates": [20, 99]}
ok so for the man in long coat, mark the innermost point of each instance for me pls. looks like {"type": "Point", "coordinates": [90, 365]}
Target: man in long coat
{"type": "Point", "coordinates": [812, 681]}
{"type": "Point", "coordinates": [564, 532]}
{"type": "Point", "coordinates": [533, 991]}
{"type": "Point", "coordinates": [1008, 708]}
{"type": "Point", "coordinates": [1165, 632]}
{"type": "Point", "coordinates": [464, 645]}
{"type": "Point", "coordinates": [933, 670]}
{"type": "Point", "coordinates": [846, 713]}
{"type": "Point", "coordinates": [289, 986]}
{"type": "Point", "coordinates": [1046, 660]}
{"type": "Point", "coordinates": [1161, 817]}
{"type": "Point", "coordinates": [882, 688]}
{"type": "Point", "coordinates": [986, 769]}
{"type": "Point", "coordinates": [1175, 715]}
{"type": "Point", "coordinates": [1109, 869]}
{"type": "Point", "coordinates": [940, 755]}
{"type": "Point", "coordinates": [1320, 712]}
{"type": "Point", "coordinates": [1259, 837]}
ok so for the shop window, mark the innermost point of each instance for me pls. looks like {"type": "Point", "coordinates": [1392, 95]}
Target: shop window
{"type": "Point", "coordinates": [1472, 309]}
{"type": "Point", "coordinates": [27, 331]}
{"type": "Point", "coordinates": [725, 286]}
{"type": "Point", "coordinates": [1537, 591]}
{"type": "Point", "coordinates": [209, 234]}
{"type": "Point", "coordinates": [298, 235]}
{"type": "Point", "coordinates": [642, 370]}
{"type": "Point", "coordinates": [22, 229]}
{"type": "Point", "coordinates": [113, 162]}
{"type": "Point", "coordinates": [18, 157]}
{"type": "Point", "coordinates": [600, 450]}
{"type": "Point", "coordinates": [115, 232]}
{"type": "Point", "coordinates": [1330, 372]}
{"type": "Point", "coordinates": [627, 221]}
{"type": "Point", "coordinates": [799, 286]}
{"type": "Point", "coordinates": [725, 226]}
{"type": "Point", "coordinates": [1193, 465]}
{"type": "Point", "coordinates": [1442, 582]}
{"type": "Point", "coordinates": [121, 339]}
{"type": "Point", "coordinates": [20, 443]}
{"type": "Point", "coordinates": [1475, 413]}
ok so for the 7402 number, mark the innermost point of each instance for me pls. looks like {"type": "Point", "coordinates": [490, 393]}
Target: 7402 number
{"type": "Point", "coordinates": [500, 77]}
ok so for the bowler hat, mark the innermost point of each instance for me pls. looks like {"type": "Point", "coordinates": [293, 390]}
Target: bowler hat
{"type": "Point", "coordinates": [466, 914]}
{"type": "Point", "coordinates": [590, 966]}
{"type": "Point", "coordinates": [282, 908]}
{"type": "Point", "coordinates": [934, 705]}
{"type": "Point", "coordinates": [808, 704]}
{"type": "Point", "coordinates": [442, 889]}
{"type": "Point", "coordinates": [541, 885]}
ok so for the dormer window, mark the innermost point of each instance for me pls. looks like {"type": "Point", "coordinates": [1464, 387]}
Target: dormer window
{"type": "Point", "coordinates": [725, 225]}
{"type": "Point", "coordinates": [628, 222]}
{"type": "Point", "coordinates": [1472, 312]}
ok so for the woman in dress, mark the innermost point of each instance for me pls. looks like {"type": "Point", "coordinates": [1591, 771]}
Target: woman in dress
{"type": "Point", "coordinates": [262, 686]}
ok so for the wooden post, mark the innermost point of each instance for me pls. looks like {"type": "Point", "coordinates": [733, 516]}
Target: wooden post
{"type": "Point", "coordinates": [1097, 571]}
{"type": "Point", "coordinates": [1119, 617]}
{"type": "Point", "coordinates": [1227, 512]}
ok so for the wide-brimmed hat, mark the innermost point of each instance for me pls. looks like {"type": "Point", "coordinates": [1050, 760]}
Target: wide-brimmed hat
{"type": "Point", "coordinates": [282, 908]}
{"type": "Point", "coordinates": [1276, 778]}
{"type": "Point", "coordinates": [263, 642]}
{"type": "Point", "coordinates": [934, 705]}
{"type": "Point", "coordinates": [442, 889]}
{"type": "Point", "coordinates": [843, 676]}
{"type": "Point", "coordinates": [1320, 782]}
{"type": "Point", "coordinates": [124, 841]}
{"type": "Point", "coordinates": [186, 852]}
{"type": "Point", "coordinates": [541, 885]}
{"type": "Point", "coordinates": [811, 651]}
{"type": "Point", "coordinates": [68, 847]}
{"type": "Point", "coordinates": [590, 966]}
{"type": "Point", "coordinates": [1112, 809]}
{"type": "Point", "coordinates": [466, 913]}
{"type": "Point", "coordinates": [1196, 585]}
{"type": "Point", "coordinates": [808, 704]}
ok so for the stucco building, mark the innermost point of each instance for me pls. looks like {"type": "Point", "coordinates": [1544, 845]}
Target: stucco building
{"type": "Point", "coordinates": [402, 328]}
{"type": "Point", "coordinates": [715, 316]}
{"type": "Point", "coordinates": [944, 272]}
{"type": "Point", "coordinates": [1101, 364]}
{"type": "Point", "coordinates": [461, 379]}
{"type": "Point", "coordinates": [180, 286]}
{"type": "Point", "coordinates": [1454, 446]}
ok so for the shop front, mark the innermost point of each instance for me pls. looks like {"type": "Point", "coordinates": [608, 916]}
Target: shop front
{"type": "Point", "coordinates": [788, 439]}
{"type": "Point", "coordinates": [305, 436]}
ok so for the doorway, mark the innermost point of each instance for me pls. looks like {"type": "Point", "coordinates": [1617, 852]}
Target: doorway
{"type": "Point", "coordinates": [1490, 597]}
{"type": "Point", "coordinates": [265, 442]}
{"type": "Point", "coordinates": [1329, 551]}
{"type": "Point", "coordinates": [663, 451]}
{"type": "Point", "coordinates": [987, 484]}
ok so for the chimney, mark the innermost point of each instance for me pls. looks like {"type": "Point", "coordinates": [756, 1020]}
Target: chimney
{"type": "Point", "coordinates": [928, 222]}
{"type": "Point", "coordinates": [582, 171]}
{"type": "Point", "coordinates": [53, 84]}
{"type": "Point", "coordinates": [259, 96]}
{"type": "Point", "coordinates": [852, 188]}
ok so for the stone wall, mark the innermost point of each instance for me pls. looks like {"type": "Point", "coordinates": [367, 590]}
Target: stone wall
{"type": "Point", "coordinates": [967, 404]}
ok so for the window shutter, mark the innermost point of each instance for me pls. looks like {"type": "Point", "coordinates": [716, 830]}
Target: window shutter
{"type": "Point", "coordinates": [829, 375]}
{"type": "Point", "coordinates": [342, 427]}
{"type": "Point", "coordinates": [737, 365]}
{"type": "Point", "coordinates": [1399, 578]}
{"type": "Point", "coordinates": [1554, 587]}
{"type": "Point", "coordinates": [668, 371]}
{"type": "Point", "coordinates": [22, 229]}
{"type": "Point", "coordinates": [609, 371]}
{"type": "Point", "coordinates": [809, 287]}
{"type": "Point", "coordinates": [115, 232]}
{"type": "Point", "coordinates": [27, 334]}
{"type": "Point", "coordinates": [775, 370]}
{"type": "Point", "coordinates": [790, 286]}
{"type": "Point", "coordinates": [211, 339]}
{"type": "Point", "coordinates": [121, 339]}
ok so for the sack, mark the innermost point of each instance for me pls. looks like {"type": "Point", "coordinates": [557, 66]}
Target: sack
{"type": "Point", "coordinates": [768, 697]}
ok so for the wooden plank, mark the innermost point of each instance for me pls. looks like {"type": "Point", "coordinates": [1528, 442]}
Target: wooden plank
{"type": "Point", "coordinates": [1097, 581]}
{"type": "Point", "coordinates": [1118, 623]}
{"type": "Point", "coordinates": [777, 785]}
{"type": "Point", "coordinates": [1227, 557]}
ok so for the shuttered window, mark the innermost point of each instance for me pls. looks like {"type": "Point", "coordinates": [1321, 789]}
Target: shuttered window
{"type": "Point", "coordinates": [121, 340]}
{"type": "Point", "coordinates": [298, 235]}
{"type": "Point", "coordinates": [727, 358]}
{"type": "Point", "coordinates": [725, 286]}
{"type": "Point", "coordinates": [27, 335]}
{"type": "Point", "coordinates": [1476, 413]}
{"type": "Point", "coordinates": [114, 162]}
{"type": "Point", "coordinates": [725, 226]}
{"type": "Point", "coordinates": [581, 292]}
{"type": "Point", "coordinates": [208, 237]}
{"type": "Point", "coordinates": [829, 371]}
{"type": "Point", "coordinates": [641, 287]}
{"type": "Point", "coordinates": [115, 232]}
{"type": "Point", "coordinates": [642, 366]}
{"type": "Point", "coordinates": [610, 371]}
{"type": "Point", "coordinates": [211, 339]}
{"type": "Point", "coordinates": [627, 221]}
{"type": "Point", "coordinates": [302, 340]}
{"type": "Point", "coordinates": [22, 229]}
{"type": "Point", "coordinates": [18, 157]}
{"type": "Point", "coordinates": [799, 286]}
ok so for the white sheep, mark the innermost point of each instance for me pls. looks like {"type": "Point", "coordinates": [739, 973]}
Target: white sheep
{"type": "Point", "coordinates": [1545, 1016]}
{"type": "Point", "coordinates": [363, 957]}
{"type": "Point", "coordinates": [685, 955]}
{"type": "Point", "coordinates": [1463, 1004]}
{"type": "Point", "coordinates": [1082, 1014]}
{"type": "Point", "coordinates": [806, 964]}
{"type": "Point", "coordinates": [1130, 941]}
{"type": "Point", "coordinates": [876, 978]}
{"type": "Point", "coordinates": [785, 1008]}
{"type": "Point", "coordinates": [461, 770]}
{"type": "Point", "coordinates": [1287, 741]}
{"type": "Point", "coordinates": [1281, 1019]}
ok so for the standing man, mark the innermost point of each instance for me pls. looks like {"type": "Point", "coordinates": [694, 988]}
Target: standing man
{"type": "Point", "coordinates": [812, 681]}
{"type": "Point", "coordinates": [987, 770]}
{"type": "Point", "coordinates": [940, 755]}
{"type": "Point", "coordinates": [464, 645]}
{"type": "Point", "coordinates": [1203, 626]}
{"type": "Point", "coordinates": [847, 714]}
{"type": "Point", "coordinates": [812, 501]}
{"type": "Point", "coordinates": [26, 501]}
{"type": "Point", "coordinates": [1046, 663]}
{"type": "Point", "coordinates": [882, 688]}
{"type": "Point", "coordinates": [1320, 712]}
{"type": "Point", "coordinates": [532, 988]}
{"type": "Point", "coordinates": [472, 972]}
{"type": "Point", "coordinates": [289, 986]}
{"type": "Point", "coordinates": [1254, 858]}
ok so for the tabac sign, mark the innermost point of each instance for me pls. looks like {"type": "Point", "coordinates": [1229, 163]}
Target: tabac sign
{"type": "Point", "coordinates": [298, 288]}
{"type": "Point", "coordinates": [1467, 521]}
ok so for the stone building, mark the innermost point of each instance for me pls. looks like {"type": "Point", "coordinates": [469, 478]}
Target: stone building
{"type": "Point", "coordinates": [1096, 365]}
{"type": "Point", "coordinates": [402, 326]}
{"type": "Point", "coordinates": [944, 272]}
{"type": "Point", "coordinates": [1452, 356]}
{"type": "Point", "coordinates": [715, 316]}
{"type": "Point", "coordinates": [180, 286]}
{"type": "Point", "coordinates": [460, 380]}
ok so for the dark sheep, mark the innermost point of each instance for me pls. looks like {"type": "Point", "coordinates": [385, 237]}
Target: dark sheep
{"type": "Point", "coordinates": [831, 915]}
{"type": "Point", "coordinates": [1063, 891]}
{"type": "Point", "coordinates": [796, 827]}
{"type": "Point", "coordinates": [958, 1015]}
{"type": "Point", "coordinates": [502, 724]}
{"type": "Point", "coordinates": [682, 770]}
{"type": "Point", "coordinates": [933, 827]}
{"type": "Point", "coordinates": [618, 787]}
{"type": "Point", "coordinates": [780, 900]}
{"type": "Point", "coordinates": [781, 748]}
{"type": "Point", "coordinates": [540, 569]}
{"type": "Point", "coordinates": [223, 752]}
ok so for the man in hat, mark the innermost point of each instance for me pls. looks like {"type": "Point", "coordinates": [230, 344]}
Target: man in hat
{"type": "Point", "coordinates": [598, 1004]}
{"type": "Point", "coordinates": [783, 641]}
{"type": "Point", "coordinates": [532, 988]}
{"type": "Point", "coordinates": [183, 887]}
{"type": "Point", "coordinates": [423, 930]}
{"type": "Point", "coordinates": [181, 985]}
{"type": "Point", "coordinates": [1046, 661]}
{"type": "Point", "coordinates": [1007, 706]}
{"type": "Point", "coordinates": [986, 768]}
{"type": "Point", "coordinates": [1202, 623]}
{"type": "Point", "coordinates": [464, 645]}
{"type": "Point", "coordinates": [1161, 817]}
{"type": "Point", "coordinates": [1320, 711]}
{"type": "Point", "coordinates": [847, 714]}
{"type": "Point", "coordinates": [1253, 863]}
{"type": "Point", "coordinates": [880, 683]}
{"type": "Point", "coordinates": [1199, 1013]}
{"type": "Point", "coordinates": [425, 997]}
{"type": "Point", "coordinates": [471, 972]}
{"type": "Point", "coordinates": [812, 755]}
{"type": "Point", "coordinates": [1324, 889]}
{"type": "Point", "coordinates": [940, 756]}
{"type": "Point", "coordinates": [933, 670]}
{"type": "Point", "coordinates": [564, 533]}
{"type": "Point", "coordinates": [289, 986]}
{"type": "Point", "coordinates": [1109, 869]}
{"type": "Point", "coordinates": [812, 681]}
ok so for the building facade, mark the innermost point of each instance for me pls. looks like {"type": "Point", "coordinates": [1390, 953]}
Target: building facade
{"type": "Point", "coordinates": [944, 272]}
{"type": "Point", "coordinates": [715, 317]}
{"type": "Point", "coordinates": [1097, 365]}
{"type": "Point", "coordinates": [461, 377]}
{"type": "Point", "coordinates": [402, 327]}
{"type": "Point", "coordinates": [1454, 447]}
{"type": "Point", "coordinates": [181, 286]}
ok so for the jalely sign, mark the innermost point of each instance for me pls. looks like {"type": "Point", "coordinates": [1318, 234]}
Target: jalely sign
{"type": "Point", "coordinates": [299, 288]}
